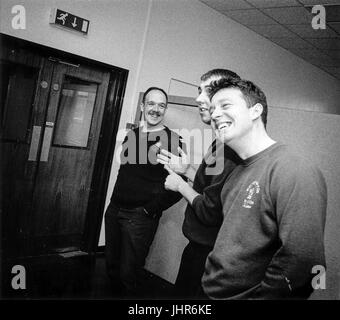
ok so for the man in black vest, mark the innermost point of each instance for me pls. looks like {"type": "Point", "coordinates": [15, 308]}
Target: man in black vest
{"type": "Point", "coordinates": [139, 196]}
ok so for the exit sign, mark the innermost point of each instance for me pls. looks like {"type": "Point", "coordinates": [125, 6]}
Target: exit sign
{"type": "Point", "coordinates": [69, 21]}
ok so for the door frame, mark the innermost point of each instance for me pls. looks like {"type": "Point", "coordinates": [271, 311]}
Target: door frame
{"type": "Point", "coordinates": [107, 138]}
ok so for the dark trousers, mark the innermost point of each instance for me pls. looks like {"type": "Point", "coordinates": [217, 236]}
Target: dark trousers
{"type": "Point", "coordinates": [188, 282]}
{"type": "Point", "coordinates": [128, 237]}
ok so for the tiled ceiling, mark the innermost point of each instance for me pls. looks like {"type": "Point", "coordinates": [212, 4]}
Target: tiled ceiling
{"type": "Point", "coordinates": [288, 23]}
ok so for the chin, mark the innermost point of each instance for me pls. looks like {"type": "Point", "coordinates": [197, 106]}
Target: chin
{"type": "Point", "coordinates": [206, 120]}
{"type": "Point", "coordinates": [222, 137]}
{"type": "Point", "coordinates": [152, 122]}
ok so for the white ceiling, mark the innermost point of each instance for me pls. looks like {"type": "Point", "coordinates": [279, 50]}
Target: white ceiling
{"type": "Point", "coordinates": [288, 24]}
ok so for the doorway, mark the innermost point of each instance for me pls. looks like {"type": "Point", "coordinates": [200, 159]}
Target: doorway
{"type": "Point", "coordinates": [59, 118]}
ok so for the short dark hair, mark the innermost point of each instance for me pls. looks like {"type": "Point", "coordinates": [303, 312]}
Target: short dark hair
{"type": "Point", "coordinates": [154, 88]}
{"type": "Point", "coordinates": [222, 73]}
{"type": "Point", "coordinates": [251, 92]}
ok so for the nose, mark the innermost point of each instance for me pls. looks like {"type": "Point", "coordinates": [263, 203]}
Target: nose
{"type": "Point", "coordinates": [156, 107]}
{"type": "Point", "coordinates": [215, 112]}
{"type": "Point", "coordinates": [199, 99]}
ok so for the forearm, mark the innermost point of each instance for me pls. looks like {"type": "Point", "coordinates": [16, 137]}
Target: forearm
{"type": "Point", "coordinates": [162, 202]}
{"type": "Point", "coordinates": [208, 210]}
{"type": "Point", "coordinates": [187, 192]}
{"type": "Point", "coordinates": [289, 274]}
{"type": "Point", "coordinates": [190, 173]}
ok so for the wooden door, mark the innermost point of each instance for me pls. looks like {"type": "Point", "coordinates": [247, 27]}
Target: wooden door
{"type": "Point", "coordinates": [51, 120]}
{"type": "Point", "coordinates": [23, 103]}
{"type": "Point", "coordinates": [69, 144]}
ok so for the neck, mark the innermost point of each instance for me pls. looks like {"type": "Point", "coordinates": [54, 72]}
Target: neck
{"type": "Point", "coordinates": [147, 128]}
{"type": "Point", "coordinates": [251, 144]}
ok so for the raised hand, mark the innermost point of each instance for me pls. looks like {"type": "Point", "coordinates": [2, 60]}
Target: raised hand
{"type": "Point", "coordinates": [178, 164]}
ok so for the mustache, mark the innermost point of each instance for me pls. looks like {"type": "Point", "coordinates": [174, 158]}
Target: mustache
{"type": "Point", "coordinates": [154, 113]}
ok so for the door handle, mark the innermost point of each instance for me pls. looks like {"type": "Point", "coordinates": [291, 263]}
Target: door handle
{"type": "Point", "coordinates": [32, 156]}
{"type": "Point", "coordinates": [45, 149]}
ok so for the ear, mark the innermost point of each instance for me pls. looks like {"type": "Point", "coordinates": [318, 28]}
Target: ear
{"type": "Point", "coordinates": [257, 110]}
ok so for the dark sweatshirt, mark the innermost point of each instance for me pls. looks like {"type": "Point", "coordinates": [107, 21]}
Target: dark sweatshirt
{"type": "Point", "coordinates": [274, 207]}
{"type": "Point", "coordinates": [140, 181]}
{"type": "Point", "coordinates": [204, 217]}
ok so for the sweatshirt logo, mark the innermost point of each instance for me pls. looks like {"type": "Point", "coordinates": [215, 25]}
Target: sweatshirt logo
{"type": "Point", "coordinates": [252, 189]}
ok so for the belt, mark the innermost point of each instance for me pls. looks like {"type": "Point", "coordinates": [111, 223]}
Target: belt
{"type": "Point", "coordinates": [138, 209]}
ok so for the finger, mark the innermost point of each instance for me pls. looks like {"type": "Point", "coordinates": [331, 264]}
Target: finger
{"type": "Point", "coordinates": [163, 158]}
{"type": "Point", "coordinates": [167, 168]}
{"type": "Point", "coordinates": [166, 153]}
{"type": "Point", "coordinates": [162, 161]}
{"type": "Point", "coordinates": [181, 152]}
{"type": "Point", "coordinates": [167, 187]}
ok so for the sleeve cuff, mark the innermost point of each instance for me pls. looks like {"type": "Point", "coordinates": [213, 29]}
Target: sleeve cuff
{"type": "Point", "coordinates": [196, 200]}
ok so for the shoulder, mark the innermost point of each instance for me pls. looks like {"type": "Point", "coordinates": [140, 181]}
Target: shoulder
{"type": "Point", "coordinates": [172, 133]}
{"type": "Point", "coordinates": [289, 168]}
{"type": "Point", "coordinates": [286, 158]}
{"type": "Point", "coordinates": [133, 133]}
{"type": "Point", "coordinates": [174, 136]}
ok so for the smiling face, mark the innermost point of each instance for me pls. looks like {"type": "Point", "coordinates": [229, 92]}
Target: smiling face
{"type": "Point", "coordinates": [154, 108]}
{"type": "Point", "coordinates": [231, 118]}
{"type": "Point", "coordinates": [203, 100]}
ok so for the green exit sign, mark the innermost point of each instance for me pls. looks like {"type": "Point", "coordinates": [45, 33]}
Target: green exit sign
{"type": "Point", "coordinates": [69, 21]}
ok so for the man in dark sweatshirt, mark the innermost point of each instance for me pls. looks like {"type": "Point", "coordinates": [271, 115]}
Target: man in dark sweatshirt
{"type": "Point", "coordinates": [203, 216]}
{"type": "Point", "coordinates": [274, 206]}
{"type": "Point", "coordinates": [139, 197]}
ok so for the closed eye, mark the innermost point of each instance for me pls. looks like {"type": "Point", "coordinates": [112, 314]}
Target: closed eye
{"type": "Point", "coordinates": [225, 106]}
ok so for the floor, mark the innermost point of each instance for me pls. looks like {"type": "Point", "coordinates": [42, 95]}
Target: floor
{"type": "Point", "coordinates": [72, 276]}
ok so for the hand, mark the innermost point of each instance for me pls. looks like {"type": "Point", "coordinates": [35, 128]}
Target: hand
{"type": "Point", "coordinates": [177, 164]}
{"type": "Point", "coordinates": [173, 181]}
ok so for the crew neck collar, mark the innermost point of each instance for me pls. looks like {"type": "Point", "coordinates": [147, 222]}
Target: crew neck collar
{"type": "Point", "coordinates": [157, 130]}
{"type": "Point", "coordinates": [261, 154]}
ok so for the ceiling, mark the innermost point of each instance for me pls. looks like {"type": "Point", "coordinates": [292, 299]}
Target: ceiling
{"type": "Point", "coordinates": [288, 24]}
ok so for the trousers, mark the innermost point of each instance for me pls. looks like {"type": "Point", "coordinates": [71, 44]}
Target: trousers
{"type": "Point", "coordinates": [188, 282]}
{"type": "Point", "coordinates": [128, 236]}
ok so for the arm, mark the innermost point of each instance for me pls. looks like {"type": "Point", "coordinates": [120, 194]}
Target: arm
{"type": "Point", "coordinates": [190, 173]}
{"type": "Point", "coordinates": [162, 202]}
{"type": "Point", "coordinates": [207, 206]}
{"type": "Point", "coordinates": [175, 183]}
{"type": "Point", "coordinates": [300, 197]}
{"type": "Point", "coordinates": [166, 198]}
